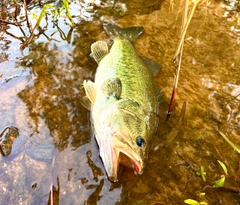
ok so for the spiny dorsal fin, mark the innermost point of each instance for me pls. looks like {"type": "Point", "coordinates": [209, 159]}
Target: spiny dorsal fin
{"type": "Point", "coordinates": [99, 49]}
{"type": "Point", "coordinates": [153, 66]}
{"type": "Point", "coordinates": [86, 102]}
{"type": "Point", "coordinates": [112, 87]}
{"type": "Point", "coordinates": [130, 33]}
{"type": "Point", "coordinates": [90, 90]}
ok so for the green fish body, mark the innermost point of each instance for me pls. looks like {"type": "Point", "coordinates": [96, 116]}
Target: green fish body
{"type": "Point", "coordinates": [123, 101]}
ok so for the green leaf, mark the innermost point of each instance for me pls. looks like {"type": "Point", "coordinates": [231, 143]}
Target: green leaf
{"type": "Point", "coordinates": [229, 142]}
{"type": "Point", "coordinates": [223, 166]}
{"type": "Point", "coordinates": [203, 203]}
{"type": "Point", "coordinates": [220, 182]}
{"type": "Point", "coordinates": [191, 202]}
{"type": "Point", "coordinates": [203, 173]}
{"type": "Point", "coordinates": [66, 6]}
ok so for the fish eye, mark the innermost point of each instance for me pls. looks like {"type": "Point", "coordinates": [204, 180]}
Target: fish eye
{"type": "Point", "coordinates": [140, 141]}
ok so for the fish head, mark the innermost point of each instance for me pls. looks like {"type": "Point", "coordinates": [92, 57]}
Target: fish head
{"type": "Point", "coordinates": [122, 133]}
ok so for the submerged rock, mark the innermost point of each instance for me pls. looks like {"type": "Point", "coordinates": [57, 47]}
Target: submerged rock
{"type": "Point", "coordinates": [7, 137]}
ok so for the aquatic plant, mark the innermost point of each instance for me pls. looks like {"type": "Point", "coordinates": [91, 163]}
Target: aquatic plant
{"type": "Point", "coordinates": [62, 5]}
{"type": "Point", "coordinates": [220, 182]}
{"type": "Point", "coordinates": [56, 10]}
{"type": "Point", "coordinates": [223, 166]}
{"type": "Point", "coordinates": [202, 200]}
{"type": "Point", "coordinates": [202, 173]}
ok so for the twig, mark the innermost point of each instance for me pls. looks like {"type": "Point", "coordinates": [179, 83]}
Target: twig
{"type": "Point", "coordinates": [51, 197]}
{"type": "Point", "coordinates": [12, 23]}
{"type": "Point", "coordinates": [179, 52]}
{"type": "Point", "coordinates": [238, 170]}
{"type": "Point", "coordinates": [177, 59]}
{"type": "Point", "coordinates": [26, 14]}
{"type": "Point", "coordinates": [186, 161]}
{"type": "Point", "coordinates": [25, 44]}
{"type": "Point", "coordinates": [231, 189]}
{"type": "Point", "coordinates": [187, 19]}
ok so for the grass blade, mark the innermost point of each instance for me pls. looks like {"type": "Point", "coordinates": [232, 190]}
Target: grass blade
{"type": "Point", "coordinates": [229, 142]}
{"type": "Point", "coordinates": [223, 166]}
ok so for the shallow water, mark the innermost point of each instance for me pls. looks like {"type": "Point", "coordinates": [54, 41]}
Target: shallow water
{"type": "Point", "coordinates": [41, 87]}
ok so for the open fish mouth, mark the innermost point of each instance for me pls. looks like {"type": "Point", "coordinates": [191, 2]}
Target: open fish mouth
{"type": "Point", "coordinates": [120, 152]}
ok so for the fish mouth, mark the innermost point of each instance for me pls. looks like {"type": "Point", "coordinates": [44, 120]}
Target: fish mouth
{"type": "Point", "coordinates": [119, 150]}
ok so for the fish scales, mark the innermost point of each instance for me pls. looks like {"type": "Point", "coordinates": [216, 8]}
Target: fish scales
{"type": "Point", "coordinates": [123, 101]}
{"type": "Point", "coordinates": [124, 63]}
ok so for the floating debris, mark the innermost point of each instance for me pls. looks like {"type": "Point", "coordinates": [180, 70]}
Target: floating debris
{"type": "Point", "coordinates": [10, 78]}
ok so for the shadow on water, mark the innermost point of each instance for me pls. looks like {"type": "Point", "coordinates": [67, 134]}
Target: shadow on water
{"type": "Point", "coordinates": [55, 157]}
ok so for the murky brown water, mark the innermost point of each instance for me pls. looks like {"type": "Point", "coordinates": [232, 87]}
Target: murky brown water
{"type": "Point", "coordinates": [41, 88]}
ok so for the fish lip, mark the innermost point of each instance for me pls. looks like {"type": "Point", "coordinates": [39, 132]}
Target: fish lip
{"type": "Point", "coordinates": [111, 160]}
{"type": "Point", "coordinates": [125, 147]}
{"type": "Point", "coordinates": [112, 169]}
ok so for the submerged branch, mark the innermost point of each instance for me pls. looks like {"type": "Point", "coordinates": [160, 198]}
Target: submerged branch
{"type": "Point", "coordinates": [12, 23]}
{"type": "Point", "coordinates": [26, 13]}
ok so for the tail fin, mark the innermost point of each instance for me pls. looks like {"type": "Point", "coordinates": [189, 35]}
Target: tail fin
{"type": "Point", "coordinates": [130, 33]}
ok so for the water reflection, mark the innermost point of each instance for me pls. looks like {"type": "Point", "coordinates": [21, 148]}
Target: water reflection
{"type": "Point", "coordinates": [4, 45]}
{"type": "Point", "coordinates": [53, 103]}
{"type": "Point", "coordinates": [54, 97]}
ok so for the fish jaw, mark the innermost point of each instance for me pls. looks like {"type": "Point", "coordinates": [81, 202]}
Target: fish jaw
{"type": "Point", "coordinates": [110, 158]}
{"type": "Point", "coordinates": [117, 150]}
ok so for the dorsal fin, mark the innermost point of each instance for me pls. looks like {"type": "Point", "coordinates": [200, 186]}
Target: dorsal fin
{"type": "Point", "coordinates": [153, 66]}
{"type": "Point", "coordinates": [90, 90]}
{"type": "Point", "coordinates": [130, 33]}
{"type": "Point", "coordinates": [158, 93]}
{"type": "Point", "coordinates": [99, 49]}
{"type": "Point", "coordinates": [112, 87]}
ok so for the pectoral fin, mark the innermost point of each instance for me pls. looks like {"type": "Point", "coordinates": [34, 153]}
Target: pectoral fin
{"type": "Point", "coordinates": [99, 49]}
{"type": "Point", "coordinates": [112, 87]}
{"type": "Point", "coordinates": [86, 102]}
{"type": "Point", "coordinates": [90, 90]}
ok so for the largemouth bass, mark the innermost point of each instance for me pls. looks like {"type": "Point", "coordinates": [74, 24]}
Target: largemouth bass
{"type": "Point", "coordinates": [123, 101]}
